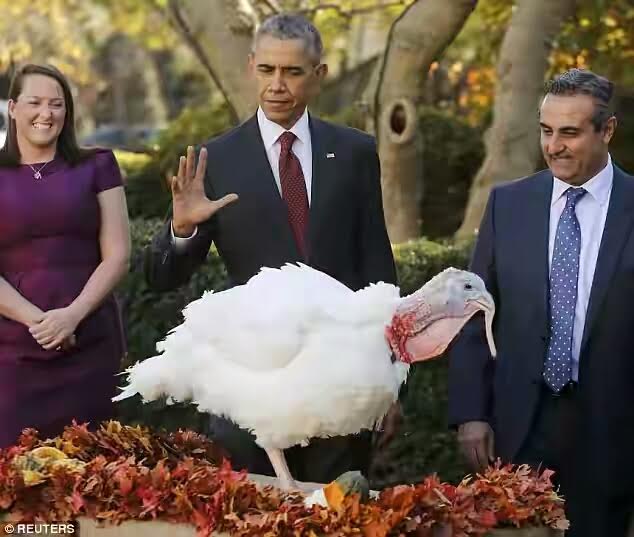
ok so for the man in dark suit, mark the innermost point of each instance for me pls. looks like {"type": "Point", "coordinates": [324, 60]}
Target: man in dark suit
{"type": "Point", "coordinates": [282, 187]}
{"type": "Point", "coordinates": [556, 250]}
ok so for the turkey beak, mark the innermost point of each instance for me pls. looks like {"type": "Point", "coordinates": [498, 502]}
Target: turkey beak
{"type": "Point", "coordinates": [486, 304]}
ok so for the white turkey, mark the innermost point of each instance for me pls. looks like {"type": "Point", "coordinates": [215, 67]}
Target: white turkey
{"type": "Point", "coordinates": [293, 354]}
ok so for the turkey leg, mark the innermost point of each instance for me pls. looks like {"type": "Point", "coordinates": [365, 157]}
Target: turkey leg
{"type": "Point", "coordinates": [278, 461]}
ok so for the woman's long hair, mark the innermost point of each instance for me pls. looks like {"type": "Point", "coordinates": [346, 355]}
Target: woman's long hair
{"type": "Point", "coordinates": [67, 146]}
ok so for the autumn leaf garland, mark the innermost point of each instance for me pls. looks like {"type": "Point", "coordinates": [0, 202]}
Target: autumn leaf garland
{"type": "Point", "coordinates": [133, 474]}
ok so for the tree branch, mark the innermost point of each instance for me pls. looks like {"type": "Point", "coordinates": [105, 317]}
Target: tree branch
{"type": "Point", "coordinates": [185, 31]}
{"type": "Point", "coordinates": [352, 12]}
{"type": "Point", "coordinates": [271, 5]}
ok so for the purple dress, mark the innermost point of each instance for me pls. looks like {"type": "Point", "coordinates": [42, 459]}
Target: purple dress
{"type": "Point", "coordinates": [49, 248]}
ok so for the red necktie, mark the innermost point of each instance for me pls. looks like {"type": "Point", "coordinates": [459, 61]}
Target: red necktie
{"type": "Point", "coordinates": [294, 190]}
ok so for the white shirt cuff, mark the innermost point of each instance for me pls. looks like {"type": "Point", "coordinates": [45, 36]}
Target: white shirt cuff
{"type": "Point", "coordinates": [180, 243]}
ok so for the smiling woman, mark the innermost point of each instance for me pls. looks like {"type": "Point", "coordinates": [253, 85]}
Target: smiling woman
{"type": "Point", "coordinates": [64, 245]}
{"type": "Point", "coordinates": [41, 119]}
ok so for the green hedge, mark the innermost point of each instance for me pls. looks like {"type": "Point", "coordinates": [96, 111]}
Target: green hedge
{"type": "Point", "coordinates": [453, 151]}
{"type": "Point", "coordinates": [147, 192]}
{"type": "Point", "coordinates": [424, 444]}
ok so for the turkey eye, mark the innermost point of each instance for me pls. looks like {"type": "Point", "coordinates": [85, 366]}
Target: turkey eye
{"type": "Point", "coordinates": [468, 286]}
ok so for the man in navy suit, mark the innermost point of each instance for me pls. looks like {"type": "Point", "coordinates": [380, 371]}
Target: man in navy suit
{"type": "Point", "coordinates": [282, 187]}
{"type": "Point", "coordinates": [556, 250]}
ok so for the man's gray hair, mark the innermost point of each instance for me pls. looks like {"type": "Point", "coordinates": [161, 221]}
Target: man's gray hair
{"type": "Point", "coordinates": [580, 81]}
{"type": "Point", "coordinates": [291, 26]}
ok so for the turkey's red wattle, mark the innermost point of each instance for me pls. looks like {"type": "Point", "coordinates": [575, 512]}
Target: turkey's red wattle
{"type": "Point", "coordinates": [397, 333]}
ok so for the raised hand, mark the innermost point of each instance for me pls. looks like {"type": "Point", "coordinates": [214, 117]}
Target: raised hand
{"type": "Point", "coordinates": [190, 204]}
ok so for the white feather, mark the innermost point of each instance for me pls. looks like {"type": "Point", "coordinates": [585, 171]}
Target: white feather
{"type": "Point", "coordinates": [292, 354]}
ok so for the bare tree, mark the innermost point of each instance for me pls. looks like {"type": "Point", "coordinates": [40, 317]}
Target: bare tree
{"type": "Point", "coordinates": [512, 140]}
{"type": "Point", "coordinates": [416, 39]}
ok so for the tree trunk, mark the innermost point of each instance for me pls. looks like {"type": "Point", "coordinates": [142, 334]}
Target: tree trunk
{"type": "Point", "coordinates": [220, 36]}
{"type": "Point", "coordinates": [512, 141]}
{"type": "Point", "coordinates": [417, 38]}
{"type": "Point", "coordinates": [156, 100]}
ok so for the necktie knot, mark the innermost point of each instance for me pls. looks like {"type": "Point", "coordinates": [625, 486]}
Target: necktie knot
{"type": "Point", "coordinates": [286, 140]}
{"type": "Point", "coordinates": [573, 195]}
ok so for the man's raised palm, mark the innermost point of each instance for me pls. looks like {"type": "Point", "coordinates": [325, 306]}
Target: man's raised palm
{"type": "Point", "coordinates": [190, 204]}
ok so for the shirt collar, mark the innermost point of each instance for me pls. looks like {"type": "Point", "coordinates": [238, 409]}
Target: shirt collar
{"type": "Point", "coordinates": [598, 187]}
{"type": "Point", "coordinates": [271, 131]}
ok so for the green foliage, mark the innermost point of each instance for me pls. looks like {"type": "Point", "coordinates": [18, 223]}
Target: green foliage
{"type": "Point", "coordinates": [194, 126]}
{"type": "Point", "coordinates": [131, 163]}
{"type": "Point", "coordinates": [419, 260]}
{"type": "Point", "coordinates": [351, 116]}
{"type": "Point", "coordinates": [452, 153]}
{"type": "Point", "coordinates": [478, 47]}
{"type": "Point", "coordinates": [134, 17]}
{"type": "Point", "coordinates": [424, 445]}
{"type": "Point", "coordinates": [600, 37]}
{"type": "Point", "coordinates": [69, 33]}
{"type": "Point", "coordinates": [147, 192]}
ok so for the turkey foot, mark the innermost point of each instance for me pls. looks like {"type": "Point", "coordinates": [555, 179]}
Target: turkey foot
{"type": "Point", "coordinates": [278, 461]}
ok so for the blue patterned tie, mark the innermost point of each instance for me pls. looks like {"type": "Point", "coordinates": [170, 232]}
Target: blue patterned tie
{"type": "Point", "coordinates": [564, 273]}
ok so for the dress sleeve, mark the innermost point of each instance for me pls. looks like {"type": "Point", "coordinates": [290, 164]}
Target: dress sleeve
{"type": "Point", "coordinates": [107, 172]}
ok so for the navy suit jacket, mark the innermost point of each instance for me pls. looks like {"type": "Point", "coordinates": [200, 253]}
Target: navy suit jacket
{"type": "Point", "coordinates": [511, 255]}
{"type": "Point", "coordinates": [347, 237]}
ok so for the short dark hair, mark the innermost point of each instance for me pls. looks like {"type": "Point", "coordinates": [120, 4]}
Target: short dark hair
{"type": "Point", "coordinates": [292, 26]}
{"type": "Point", "coordinates": [67, 146]}
{"type": "Point", "coordinates": [584, 82]}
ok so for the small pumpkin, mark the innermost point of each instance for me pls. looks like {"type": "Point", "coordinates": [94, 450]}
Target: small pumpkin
{"type": "Point", "coordinates": [352, 482]}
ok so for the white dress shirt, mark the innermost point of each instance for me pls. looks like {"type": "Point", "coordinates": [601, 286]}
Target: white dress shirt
{"type": "Point", "coordinates": [270, 133]}
{"type": "Point", "coordinates": [591, 211]}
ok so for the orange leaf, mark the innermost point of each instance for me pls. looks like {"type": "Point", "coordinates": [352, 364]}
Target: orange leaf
{"type": "Point", "coordinates": [334, 495]}
{"type": "Point", "coordinates": [376, 528]}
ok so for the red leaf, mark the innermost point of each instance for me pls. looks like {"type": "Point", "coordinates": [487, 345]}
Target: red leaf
{"type": "Point", "coordinates": [488, 519]}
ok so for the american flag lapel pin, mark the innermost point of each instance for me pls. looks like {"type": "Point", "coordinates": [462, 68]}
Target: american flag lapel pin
{"type": "Point", "coordinates": [330, 155]}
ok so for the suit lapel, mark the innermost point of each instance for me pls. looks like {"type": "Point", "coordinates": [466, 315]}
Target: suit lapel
{"type": "Point", "coordinates": [535, 245]}
{"type": "Point", "coordinates": [324, 173]}
{"type": "Point", "coordinates": [617, 229]}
